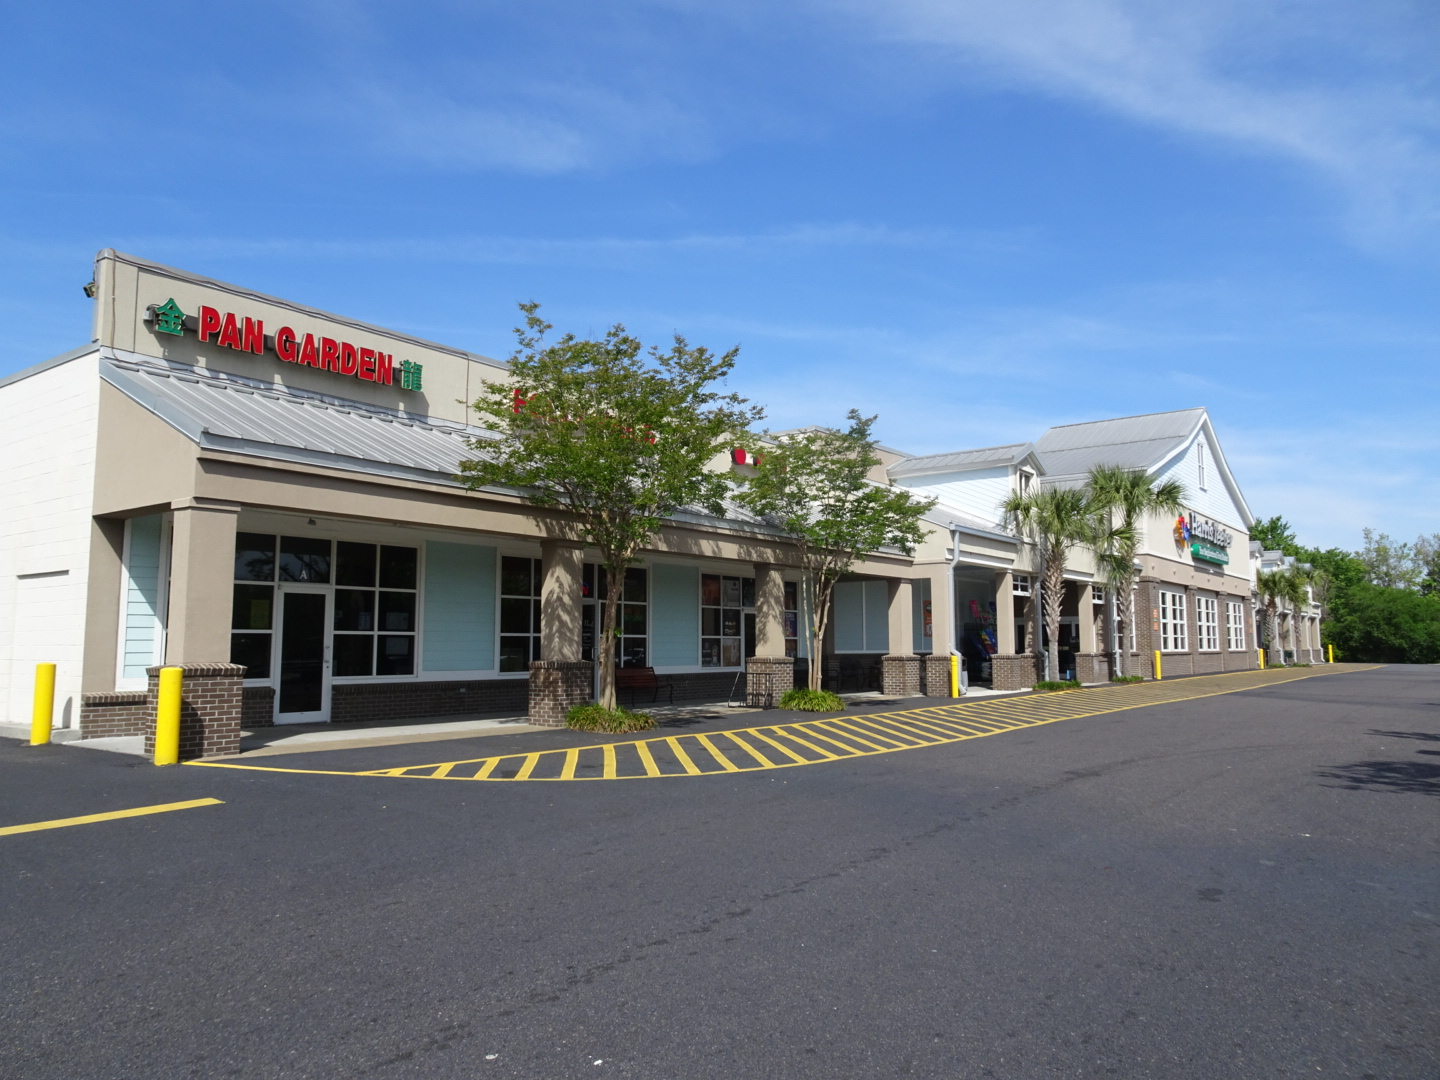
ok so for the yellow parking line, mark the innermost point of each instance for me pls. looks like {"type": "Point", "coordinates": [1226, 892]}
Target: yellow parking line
{"type": "Point", "coordinates": [443, 770]}
{"type": "Point", "coordinates": [609, 771]}
{"type": "Point", "coordinates": [785, 734]}
{"type": "Point", "coordinates": [809, 727]}
{"type": "Point", "coordinates": [725, 763]}
{"type": "Point", "coordinates": [528, 767]}
{"type": "Point", "coordinates": [651, 769]}
{"type": "Point", "coordinates": [783, 749]}
{"type": "Point", "coordinates": [838, 724]}
{"type": "Point", "coordinates": [572, 759]}
{"type": "Point", "coordinates": [487, 769]}
{"type": "Point", "coordinates": [690, 767]}
{"type": "Point", "coordinates": [765, 763]}
{"type": "Point", "coordinates": [112, 815]}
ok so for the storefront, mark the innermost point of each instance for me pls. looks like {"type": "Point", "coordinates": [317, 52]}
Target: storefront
{"type": "Point", "coordinates": [265, 494]}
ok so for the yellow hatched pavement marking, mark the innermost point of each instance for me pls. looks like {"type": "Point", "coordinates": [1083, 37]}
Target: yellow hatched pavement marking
{"type": "Point", "coordinates": [646, 759]}
{"type": "Point", "coordinates": [690, 767]}
{"type": "Point", "coordinates": [725, 762]}
{"type": "Point", "coordinates": [856, 735]}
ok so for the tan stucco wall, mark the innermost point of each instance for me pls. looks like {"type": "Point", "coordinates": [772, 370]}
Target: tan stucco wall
{"type": "Point", "coordinates": [124, 289]}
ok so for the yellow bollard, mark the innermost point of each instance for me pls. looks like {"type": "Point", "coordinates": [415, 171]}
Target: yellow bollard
{"type": "Point", "coordinates": [167, 716]}
{"type": "Point", "coordinates": [954, 675]}
{"type": "Point", "coordinates": [42, 717]}
{"type": "Point", "coordinates": [1262, 658]}
{"type": "Point", "coordinates": [1332, 653]}
{"type": "Point", "coordinates": [1158, 675]}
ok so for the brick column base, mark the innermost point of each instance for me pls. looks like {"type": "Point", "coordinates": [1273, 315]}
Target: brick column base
{"type": "Point", "coordinates": [935, 675]}
{"type": "Point", "coordinates": [767, 678]}
{"type": "Point", "coordinates": [556, 687]}
{"type": "Point", "coordinates": [210, 696]}
{"type": "Point", "coordinates": [1092, 667]}
{"type": "Point", "coordinates": [108, 714]}
{"type": "Point", "coordinates": [1015, 671]}
{"type": "Point", "coordinates": [900, 676]}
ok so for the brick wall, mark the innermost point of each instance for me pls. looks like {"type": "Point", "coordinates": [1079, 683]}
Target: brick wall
{"type": "Point", "coordinates": [257, 706]}
{"type": "Point", "coordinates": [557, 686]}
{"type": "Point", "coordinates": [210, 698]}
{"type": "Point", "coordinates": [900, 676]}
{"type": "Point", "coordinates": [107, 715]}
{"type": "Point", "coordinates": [354, 702]}
{"type": "Point", "coordinates": [767, 679]}
{"type": "Point", "coordinates": [1013, 672]}
{"type": "Point", "coordinates": [935, 675]}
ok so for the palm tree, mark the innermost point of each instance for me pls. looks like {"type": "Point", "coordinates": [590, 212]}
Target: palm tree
{"type": "Point", "coordinates": [1287, 586]}
{"type": "Point", "coordinates": [1126, 497]}
{"type": "Point", "coordinates": [1056, 520]}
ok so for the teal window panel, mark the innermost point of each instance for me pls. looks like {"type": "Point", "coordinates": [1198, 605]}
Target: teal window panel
{"type": "Point", "coordinates": [459, 625]}
{"type": "Point", "coordinates": [674, 615]}
{"type": "Point", "coordinates": [877, 616]}
{"type": "Point", "coordinates": [849, 615]}
{"type": "Point", "coordinates": [141, 644]}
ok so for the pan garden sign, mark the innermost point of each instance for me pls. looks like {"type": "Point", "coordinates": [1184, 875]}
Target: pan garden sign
{"type": "Point", "coordinates": [244, 334]}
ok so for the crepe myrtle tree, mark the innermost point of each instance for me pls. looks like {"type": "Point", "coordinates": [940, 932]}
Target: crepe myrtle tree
{"type": "Point", "coordinates": [1123, 499]}
{"type": "Point", "coordinates": [814, 485]}
{"type": "Point", "coordinates": [1056, 521]}
{"type": "Point", "coordinates": [617, 435]}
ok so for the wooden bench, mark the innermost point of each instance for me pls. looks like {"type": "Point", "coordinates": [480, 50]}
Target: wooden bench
{"type": "Point", "coordinates": [637, 679]}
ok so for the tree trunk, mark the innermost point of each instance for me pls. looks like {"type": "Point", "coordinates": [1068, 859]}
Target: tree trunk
{"type": "Point", "coordinates": [1272, 637]}
{"type": "Point", "coordinates": [614, 590]}
{"type": "Point", "coordinates": [819, 619]}
{"type": "Point", "coordinates": [1124, 612]}
{"type": "Point", "coordinates": [1050, 608]}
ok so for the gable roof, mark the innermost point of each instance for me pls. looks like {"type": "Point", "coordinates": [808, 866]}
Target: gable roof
{"type": "Point", "coordinates": [1132, 442]}
{"type": "Point", "coordinates": [964, 460]}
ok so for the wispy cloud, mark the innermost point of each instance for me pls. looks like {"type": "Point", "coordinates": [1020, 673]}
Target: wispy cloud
{"type": "Point", "coordinates": [1348, 88]}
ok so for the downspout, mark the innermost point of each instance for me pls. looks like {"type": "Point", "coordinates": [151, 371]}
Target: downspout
{"type": "Point", "coordinates": [954, 609]}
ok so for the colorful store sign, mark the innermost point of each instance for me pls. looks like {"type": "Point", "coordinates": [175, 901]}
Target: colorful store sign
{"type": "Point", "coordinates": [1207, 541]}
{"type": "Point", "coordinates": [244, 334]}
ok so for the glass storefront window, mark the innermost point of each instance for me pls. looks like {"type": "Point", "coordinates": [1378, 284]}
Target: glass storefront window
{"type": "Point", "coordinates": [519, 612]}
{"type": "Point", "coordinates": [303, 559]}
{"type": "Point", "coordinates": [722, 618]}
{"type": "Point", "coordinates": [374, 629]}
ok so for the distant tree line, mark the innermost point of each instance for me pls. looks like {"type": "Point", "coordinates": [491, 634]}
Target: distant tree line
{"type": "Point", "coordinates": [1380, 604]}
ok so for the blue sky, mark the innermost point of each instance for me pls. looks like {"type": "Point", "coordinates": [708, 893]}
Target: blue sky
{"type": "Point", "coordinates": [974, 218]}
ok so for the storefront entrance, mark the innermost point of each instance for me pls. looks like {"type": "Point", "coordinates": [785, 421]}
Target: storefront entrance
{"type": "Point", "coordinates": [304, 656]}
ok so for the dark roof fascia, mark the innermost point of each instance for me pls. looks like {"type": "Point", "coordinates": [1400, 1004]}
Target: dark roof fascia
{"type": "Point", "coordinates": [46, 365]}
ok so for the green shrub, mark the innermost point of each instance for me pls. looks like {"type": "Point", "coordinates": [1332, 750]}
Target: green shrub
{"type": "Point", "coordinates": [812, 701]}
{"type": "Point", "coordinates": [1127, 678]}
{"type": "Point", "coordinates": [594, 718]}
{"type": "Point", "coordinates": [1058, 684]}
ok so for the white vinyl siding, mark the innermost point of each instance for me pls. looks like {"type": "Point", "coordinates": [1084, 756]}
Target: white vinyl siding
{"type": "Point", "coordinates": [1173, 635]}
{"type": "Point", "coordinates": [1235, 625]}
{"type": "Point", "coordinates": [1207, 623]}
{"type": "Point", "coordinates": [142, 632]}
{"type": "Point", "coordinates": [458, 629]}
{"type": "Point", "coordinates": [48, 427]}
{"type": "Point", "coordinates": [978, 492]}
{"type": "Point", "coordinates": [1213, 500]}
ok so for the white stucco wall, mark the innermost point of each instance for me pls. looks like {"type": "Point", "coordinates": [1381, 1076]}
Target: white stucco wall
{"type": "Point", "coordinates": [47, 442]}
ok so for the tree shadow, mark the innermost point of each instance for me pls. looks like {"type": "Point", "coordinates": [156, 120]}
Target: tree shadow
{"type": "Point", "coordinates": [1410, 777]}
{"type": "Point", "coordinates": [1423, 736]}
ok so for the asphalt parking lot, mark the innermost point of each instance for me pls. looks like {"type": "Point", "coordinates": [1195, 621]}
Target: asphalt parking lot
{"type": "Point", "coordinates": [1236, 885]}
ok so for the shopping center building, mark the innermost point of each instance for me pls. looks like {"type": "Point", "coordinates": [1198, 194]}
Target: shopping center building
{"type": "Point", "coordinates": [265, 495]}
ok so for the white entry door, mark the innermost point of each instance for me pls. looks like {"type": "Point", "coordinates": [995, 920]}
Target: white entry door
{"type": "Point", "coordinates": [304, 694]}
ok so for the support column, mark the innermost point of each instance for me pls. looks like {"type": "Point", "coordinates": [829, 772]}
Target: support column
{"type": "Point", "coordinates": [202, 573]}
{"type": "Point", "coordinates": [769, 673]}
{"type": "Point", "coordinates": [197, 636]}
{"type": "Point", "coordinates": [559, 680]}
{"type": "Point", "coordinates": [935, 668]}
{"type": "Point", "coordinates": [900, 667]}
{"type": "Point", "coordinates": [1088, 659]}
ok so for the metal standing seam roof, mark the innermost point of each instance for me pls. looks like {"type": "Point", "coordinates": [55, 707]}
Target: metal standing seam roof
{"type": "Point", "coordinates": [1133, 442]}
{"type": "Point", "coordinates": [961, 459]}
{"type": "Point", "coordinates": [255, 418]}
{"type": "Point", "coordinates": [243, 417]}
